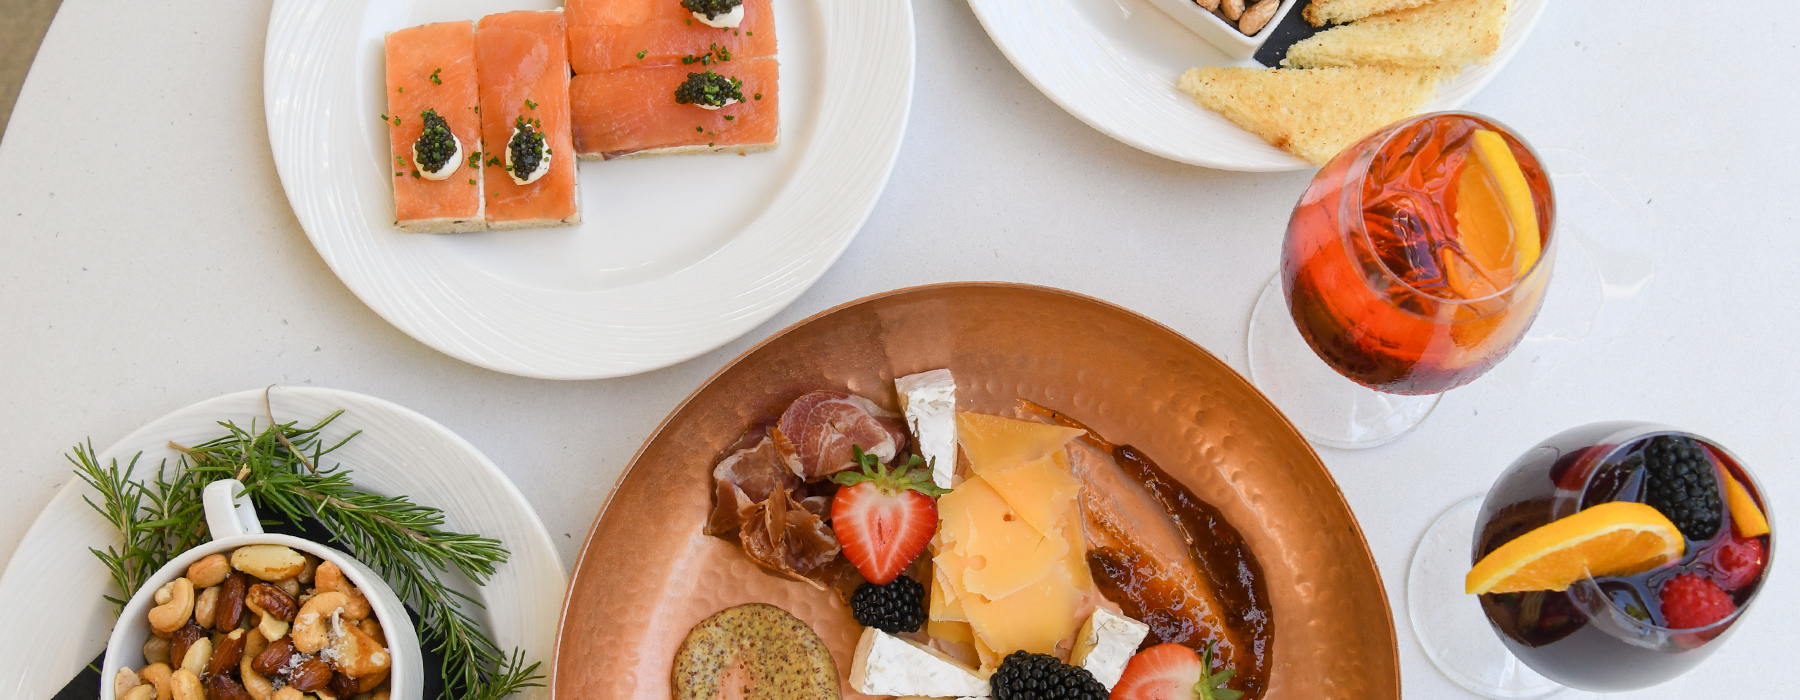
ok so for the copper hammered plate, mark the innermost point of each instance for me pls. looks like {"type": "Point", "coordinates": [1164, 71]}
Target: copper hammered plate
{"type": "Point", "coordinates": [646, 574]}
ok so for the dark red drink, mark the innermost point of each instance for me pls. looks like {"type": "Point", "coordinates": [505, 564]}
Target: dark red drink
{"type": "Point", "coordinates": [1611, 634]}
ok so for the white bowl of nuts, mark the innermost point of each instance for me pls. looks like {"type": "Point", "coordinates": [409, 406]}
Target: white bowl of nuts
{"type": "Point", "coordinates": [1237, 27]}
{"type": "Point", "coordinates": [255, 616]}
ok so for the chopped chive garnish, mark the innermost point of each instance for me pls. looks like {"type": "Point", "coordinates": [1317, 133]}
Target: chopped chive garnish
{"type": "Point", "coordinates": [530, 105]}
{"type": "Point", "coordinates": [730, 118]}
{"type": "Point", "coordinates": [641, 55]}
{"type": "Point", "coordinates": [435, 80]}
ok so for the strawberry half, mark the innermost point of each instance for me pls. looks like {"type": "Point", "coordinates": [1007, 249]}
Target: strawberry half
{"type": "Point", "coordinates": [884, 519]}
{"type": "Point", "coordinates": [1173, 672]}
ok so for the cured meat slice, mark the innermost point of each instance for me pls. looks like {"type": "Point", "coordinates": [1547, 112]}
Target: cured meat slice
{"type": "Point", "coordinates": [789, 540]}
{"type": "Point", "coordinates": [824, 425]}
{"type": "Point", "coordinates": [609, 34]}
{"type": "Point", "coordinates": [432, 67]}
{"type": "Point", "coordinates": [749, 476]}
{"type": "Point", "coordinates": [523, 61]}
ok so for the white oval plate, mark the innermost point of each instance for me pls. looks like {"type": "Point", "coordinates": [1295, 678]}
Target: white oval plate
{"type": "Point", "coordinates": [1114, 63]}
{"type": "Point", "coordinates": [56, 584]}
{"type": "Point", "coordinates": [648, 279]}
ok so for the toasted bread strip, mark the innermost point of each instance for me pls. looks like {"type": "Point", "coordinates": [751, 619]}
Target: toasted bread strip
{"type": "Point", "coordinates": [1443, 34]}
{"type": "Point", "coordinates": [1322, 12]}
{"type": "Point", "coordinates": [1312, 113]}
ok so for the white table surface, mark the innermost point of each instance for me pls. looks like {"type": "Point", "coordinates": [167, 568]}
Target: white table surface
{"type": "Point", "coordinates": [149, 260]}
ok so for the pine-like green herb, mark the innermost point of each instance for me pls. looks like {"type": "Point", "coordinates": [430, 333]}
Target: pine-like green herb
{"type": "Point", "coordinates": [279, 466]}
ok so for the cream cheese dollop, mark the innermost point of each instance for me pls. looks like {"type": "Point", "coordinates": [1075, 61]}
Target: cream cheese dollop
{"type": "Point", "coordinates": [542, 168]}
{"type": "Point", "coordinates": [729, 20]}
{"type": "Point", "coordinates": [729, 101]}
{"type": "Point", "coordinates": [447, 169]}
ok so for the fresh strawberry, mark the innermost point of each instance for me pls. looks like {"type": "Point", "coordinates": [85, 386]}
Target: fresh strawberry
{"type": "Point", "coordinates": [884, 519]}
{"type": "Point", "coordinates": [1690, 601]}
{"type": "Point", "coordinates": [1173, 672]}
{"type": "Point", "coordinates": [1162, 672]}
{"type": "Point", "coordinates": [1738, 562]}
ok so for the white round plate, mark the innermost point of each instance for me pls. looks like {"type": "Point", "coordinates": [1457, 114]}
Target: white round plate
{"type": "Point", "coordinates": [57, 584]}
{"type": "Point", "coordinates": [648, 279]}
{"type": "Point", "coordinates": [1114, 63]}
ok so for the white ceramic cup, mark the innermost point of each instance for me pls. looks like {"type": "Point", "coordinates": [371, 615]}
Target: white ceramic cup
{"type": "Point", "coordinates": [232, 521]}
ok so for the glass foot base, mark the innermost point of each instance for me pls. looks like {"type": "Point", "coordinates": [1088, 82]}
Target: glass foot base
{"type": "Point", "coordinates": [1327, 408]}
{"type": "Point", "coordinates": [1449, 623]}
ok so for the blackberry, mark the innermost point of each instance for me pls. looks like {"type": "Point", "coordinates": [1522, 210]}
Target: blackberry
{"type": "Point", "coordinates": [1679, 481]}
{"type": "Point", "coordinates": [895, 607]}
{"type": "Point", "coordinates": [1027, 676]}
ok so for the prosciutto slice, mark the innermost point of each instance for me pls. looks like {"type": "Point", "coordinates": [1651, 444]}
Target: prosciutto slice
{"type": "Point", "coordinates": [824, 425]}
{"type": "Point", "coordinates": [748, 476]}
{"type": "Point", "coordinates": [758, 498]}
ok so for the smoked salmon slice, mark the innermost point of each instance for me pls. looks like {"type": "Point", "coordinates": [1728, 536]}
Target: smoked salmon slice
{"type": "Point", "coordinates": [432, 68]}
{"type": "Point", "coordinates": [633, 112]}
{"type": "Point", "coordinates": [609, 34]}
{"type": "Point", "coordinates": [523, 65]}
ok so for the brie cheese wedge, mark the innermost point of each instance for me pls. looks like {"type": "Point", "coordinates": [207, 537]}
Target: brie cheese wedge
{"type": "Point", "coordinates": [929, 400]}
{"type": "Point", "coordinates": [1105, 643]}
{"type": "Point", "coordinates": [888, 665]}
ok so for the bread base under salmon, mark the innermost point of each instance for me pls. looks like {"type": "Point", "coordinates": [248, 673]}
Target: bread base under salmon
{"type": "Point", "coordinates": [445, 225]}
{"type": "Point", "coordinates": [535, 223]}
{"type": "Point", "coordinates": [696, 149]}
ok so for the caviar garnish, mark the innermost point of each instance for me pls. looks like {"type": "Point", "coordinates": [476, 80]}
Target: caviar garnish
{"type": "Point", "coordinates": [526, 148]}
{"type": "Point", "coordinates": [436, 145]}
{"type": "Point", "coordinates": [711, 8]}
{"type": "Point", "coordinates": [709, 89]}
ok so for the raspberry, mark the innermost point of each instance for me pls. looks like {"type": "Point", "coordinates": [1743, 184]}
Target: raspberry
{"type": "Point", "coordinates": [1690, 601]}
{"type": "Point", "coordinates": [1738, 562]}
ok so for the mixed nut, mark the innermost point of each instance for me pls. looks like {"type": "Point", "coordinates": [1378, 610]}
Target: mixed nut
{"type": "Point", "coordinates": [264, 622]}
{"type": "Point", "coordinates": [1248, 20]}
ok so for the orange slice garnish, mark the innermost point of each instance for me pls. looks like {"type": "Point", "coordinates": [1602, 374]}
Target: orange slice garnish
{"type": "Point", "coordinates": [1496, 220]}
{"type": "Point", "coordinates": [1746, 518]}
{"type": "Point", "coordinates": [1611, 539]}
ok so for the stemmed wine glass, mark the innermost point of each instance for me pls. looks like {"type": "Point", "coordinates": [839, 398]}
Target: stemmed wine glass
{"type": "Point", "coordinates": [1415, 260]}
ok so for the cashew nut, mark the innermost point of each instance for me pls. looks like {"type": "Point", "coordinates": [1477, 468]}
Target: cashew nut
{"type": "Point", "coordinates": [255, 683]}
{"type": "Point", "coordinates": [185, 685]}
{"type": "Point", "coordinates": [315, 616]}
{"type": "Point", "coordinates": [197, 655]}
{"type": "Point", "coordinates": [206, 607]}
{"type": "Point", "coordinates": [306, 573]}
{"type": "Point", "coordinates": [209, 571]}
{"type": "Point", "coordinates": [157, 675]}
{"type": "Point", "coordinates": [329, 577]}
{"type": "Point", "coordinates": [254, 643]}
{"type": "Point", "coordinates": [288, 693]}
{"type": "Point", "coordinates": [142, 692]}
{"type": "Point", "coordinates": [156, 650]}
{"type": "Point", "coordinates": [125, 681]}
{"type": "Point", "coordinates": [174, 612]}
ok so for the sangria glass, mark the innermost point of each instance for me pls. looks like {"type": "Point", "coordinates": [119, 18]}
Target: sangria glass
{"type": "Point", "coordinates": [1414, 261]}
{"type": "Point", "coordinates": [1604, 633]}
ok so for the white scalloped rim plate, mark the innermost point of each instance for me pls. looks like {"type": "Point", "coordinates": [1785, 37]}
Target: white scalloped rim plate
{"type": "Point", "coordinates": [1113, 64]}
{"type": "Point", "coordinates": [400, 451]}
{"type": "Point", "coordinates": [675, 256]}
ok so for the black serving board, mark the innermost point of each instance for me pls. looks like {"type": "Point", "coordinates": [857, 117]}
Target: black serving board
{"type": "Point", "coordinates": [1293, 29]}
{"type": "Point", "coordinates": [86, 684]}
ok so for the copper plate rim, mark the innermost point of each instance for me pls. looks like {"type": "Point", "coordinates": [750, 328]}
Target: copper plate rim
{"type": "Point", "coordinates": [1355, 525]}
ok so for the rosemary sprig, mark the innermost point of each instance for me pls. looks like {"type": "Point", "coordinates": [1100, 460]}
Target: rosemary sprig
{"type": "Point", "coordinates": [279, 466]}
